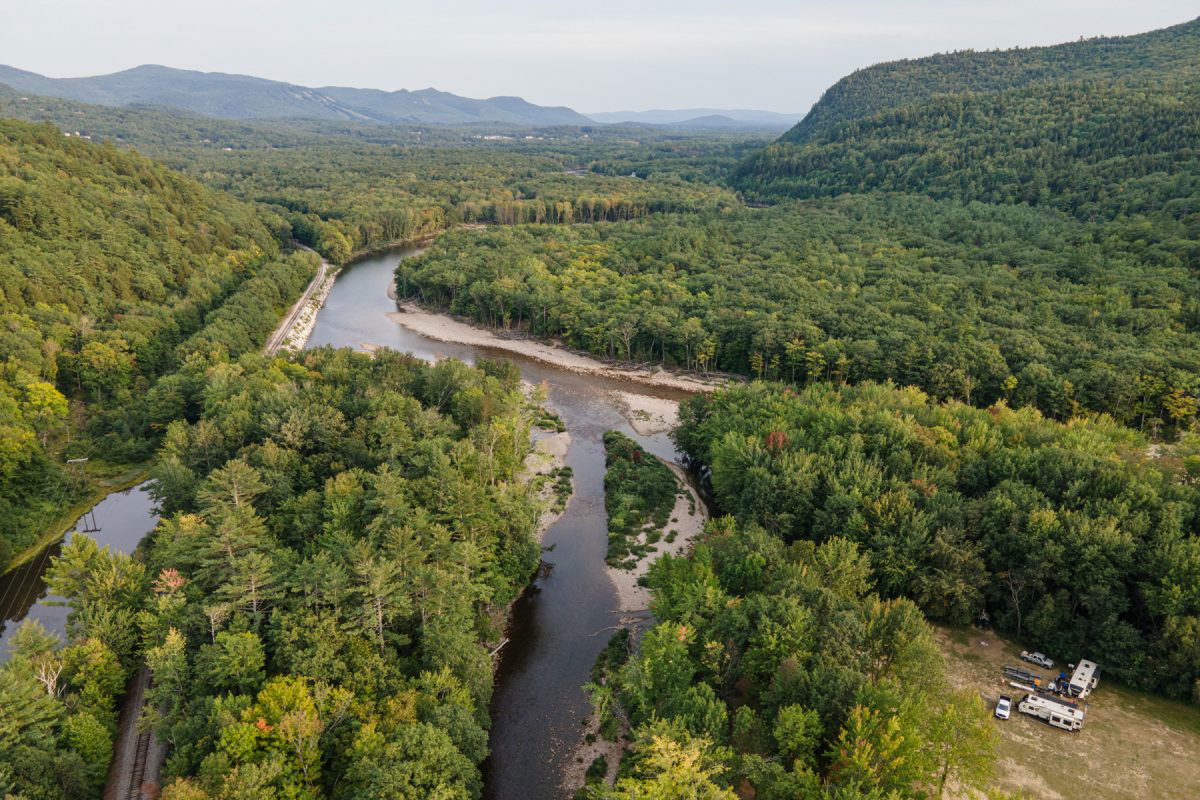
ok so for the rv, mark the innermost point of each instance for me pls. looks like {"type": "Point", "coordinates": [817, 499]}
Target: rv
{"type": "Point", "coordinates": [1084, 679]}
{"type": "Point", "coordinates": [1056, 712]}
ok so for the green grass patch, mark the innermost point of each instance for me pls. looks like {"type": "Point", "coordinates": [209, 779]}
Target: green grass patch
{"type": "Point", "coordinates": [547, 420]}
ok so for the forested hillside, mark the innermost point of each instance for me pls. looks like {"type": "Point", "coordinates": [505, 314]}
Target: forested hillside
{"type": "Point", "coordinates": [112, 271]}
{"type": "Point", "coordinates": [912, 82]}
{"type": "Point", "coordinates": [1098, 128]}
{"type": "Point", "coordinates": [1091, 149]}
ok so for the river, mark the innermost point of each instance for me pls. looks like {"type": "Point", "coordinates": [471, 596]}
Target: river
{"type": "Point", "coordinates": [558, 626]}
{"type": "Point", "coordinates": [119, 521]}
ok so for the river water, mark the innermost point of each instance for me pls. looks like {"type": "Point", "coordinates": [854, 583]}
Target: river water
{"type": "Point", "coordinates": [119, 521]}
{"type": "Point", "coordinates": [559, 625]}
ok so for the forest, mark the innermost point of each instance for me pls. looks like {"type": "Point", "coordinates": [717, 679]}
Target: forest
{"type": "Point", "coordinates": [1071, 536]}
{"type": "Point", "coordinates": [341, 536]}
{"type": "Point", "coordinates": [774, 668]}
{"type": "Point", "coordinates": [974, 301]}
{"type": "Point", "coordinates": [354, 199]}
{"type": "Point", "coordinates": [911, 82]}
{"type": "Point", "coordinates": [1100, 150]}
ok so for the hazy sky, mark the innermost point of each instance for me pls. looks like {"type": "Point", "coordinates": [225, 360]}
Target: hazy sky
{"type": "Point", "coordinates": [600, 56]}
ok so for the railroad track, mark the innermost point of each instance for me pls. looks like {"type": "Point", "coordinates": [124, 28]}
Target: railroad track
{"type": "Point", "coordinates": [280, 335]}
{"type": "Point", "coordinates": [137, 775]}
{"type": "Point", "coordinates": [137, 755]}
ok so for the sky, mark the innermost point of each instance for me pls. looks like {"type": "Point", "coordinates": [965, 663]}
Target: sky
{"type": "Point", "coordinates": [606, 56]}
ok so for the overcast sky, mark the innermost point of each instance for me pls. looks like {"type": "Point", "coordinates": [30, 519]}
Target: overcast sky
{"type": "Point", "coordinates": [601, 56]}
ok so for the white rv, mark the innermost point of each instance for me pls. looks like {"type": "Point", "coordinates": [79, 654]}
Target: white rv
{"type": "Point", "coordinates": [1056, 712]}
{"type": "Point", "coordinates": [1084, 679]}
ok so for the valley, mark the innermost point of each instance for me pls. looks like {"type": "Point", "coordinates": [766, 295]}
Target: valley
{"type": "Point", "coordinates": [438, 447]}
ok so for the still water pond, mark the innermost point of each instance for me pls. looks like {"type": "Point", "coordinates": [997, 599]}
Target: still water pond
{"type": "Point", "coordinates": [119, 521]}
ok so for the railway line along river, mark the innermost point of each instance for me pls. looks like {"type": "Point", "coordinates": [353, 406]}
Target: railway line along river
{"type": "Point", "coordinates": [563, 621]}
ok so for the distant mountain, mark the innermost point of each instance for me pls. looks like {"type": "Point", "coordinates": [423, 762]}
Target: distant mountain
{"type": "Point", "coordinates": [747, 117]}
{"type": "Point", "coordinates": [716, 122]}
{"type": "Point", "coordinates": [217, 94]}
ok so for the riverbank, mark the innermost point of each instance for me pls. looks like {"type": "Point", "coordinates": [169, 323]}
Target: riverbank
{"type": "Point", "coordinates": [301, 321]}
{"type": "Point", "coordinates": [444, 328]}
{"type": "Point", "coordinates": [647, 415]}
{"type": "Point", "coordinates": [542, 466]}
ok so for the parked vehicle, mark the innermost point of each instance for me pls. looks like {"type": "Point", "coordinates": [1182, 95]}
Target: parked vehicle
{"type": "Point", "coordinates": [1003, 706]}
{"type": "Point", "coordinates": [1037, 658]}
{"type": "Point", "coordinates": [1056, 712]}
{"type": "Point", "coordinates": [1084, 679]}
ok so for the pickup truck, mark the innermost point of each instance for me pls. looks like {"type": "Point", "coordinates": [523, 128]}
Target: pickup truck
{"type": "Point", "coordinates": [1037, 658]}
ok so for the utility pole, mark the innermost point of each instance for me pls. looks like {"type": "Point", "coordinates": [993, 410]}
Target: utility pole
{"type": "Point", "coordinates": [89, 517]}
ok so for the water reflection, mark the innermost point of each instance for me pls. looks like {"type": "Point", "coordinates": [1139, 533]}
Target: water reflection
{"type": "Point", "coordinates": [119, 521]}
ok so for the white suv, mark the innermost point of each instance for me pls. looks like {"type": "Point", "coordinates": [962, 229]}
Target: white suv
{"type": "Point", "coordinates": [1003, 707]}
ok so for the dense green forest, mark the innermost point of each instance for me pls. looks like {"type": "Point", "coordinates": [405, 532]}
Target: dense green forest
{"type": "Point", "coordinates": [341, 534]}
{"type": "Point", "coordinates": [1069, 535]}
{"type": "Point", "coordinates": [975, 302]}
{"type": "Point", "coordinates": [113, 270]}
{"type": "Point", "coordinates": [1099, 128]}
{"type": "Point", "coordinates": [1091, 149]}
{"type": "Point", "coordinates": [776, 670]}
{"type": "Point", "coordinates": [365, 197]}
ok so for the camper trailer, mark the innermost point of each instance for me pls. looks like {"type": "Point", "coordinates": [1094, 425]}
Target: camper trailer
{"type": "Point", "coordinates": [1084, 679]}
{"type": "Point", "coordinates": [1055, 712]}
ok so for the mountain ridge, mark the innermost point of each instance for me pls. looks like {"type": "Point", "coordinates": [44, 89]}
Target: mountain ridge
{"type": "Point", "coordinates": [244, 97]}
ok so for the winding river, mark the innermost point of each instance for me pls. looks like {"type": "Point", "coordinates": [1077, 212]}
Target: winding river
{"type": "Point", "coordinates": [561, 623]}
